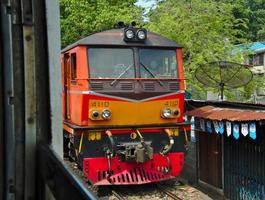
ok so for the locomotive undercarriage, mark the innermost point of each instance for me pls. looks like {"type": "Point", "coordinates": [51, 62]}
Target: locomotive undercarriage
{"type": "Point", "coordinates": [128, 157]}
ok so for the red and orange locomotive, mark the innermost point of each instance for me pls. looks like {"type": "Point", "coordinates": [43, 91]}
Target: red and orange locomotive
{"type": "Point", "coordinates": [123, 101]}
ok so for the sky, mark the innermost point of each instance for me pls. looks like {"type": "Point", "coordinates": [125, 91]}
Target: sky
{"type": "Point", "coordinates": [146, 3]}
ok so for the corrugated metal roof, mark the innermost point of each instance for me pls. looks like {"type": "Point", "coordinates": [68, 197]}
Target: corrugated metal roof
{"type": "Point", "coordinates": [255, 46]}
{"type": "Point", "coordinates": [229, 114]}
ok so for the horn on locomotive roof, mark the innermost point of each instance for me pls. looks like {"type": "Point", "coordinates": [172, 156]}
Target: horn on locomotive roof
{"type": "Point", "coordinates": [119, 25]}
{"type": "Point", "coordinates": [123, 25]}
{"type": "Point", "coordinates": [133, 23]}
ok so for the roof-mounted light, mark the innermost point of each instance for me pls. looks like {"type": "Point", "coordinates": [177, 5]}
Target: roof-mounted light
{"type": "Point", "coordinates": [132, 34]}
{"type": "Point", "coordinates": [129, 34]}
{"type": "Point", "coordinates": [141, 34]}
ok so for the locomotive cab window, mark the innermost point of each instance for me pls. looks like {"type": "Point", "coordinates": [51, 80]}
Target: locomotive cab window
{"type": "Point", "coordinates": [111, 63]}
{"type": "Point", "coordinates": [158, 63]}
{"type": "Point", "coordinates": [73, 66]}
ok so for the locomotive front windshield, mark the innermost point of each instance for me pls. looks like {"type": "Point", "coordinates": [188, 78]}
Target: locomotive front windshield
{"type": "Point", "coordinates": [158, 63]}
{"type": "Point", "coordinates": [111, 63]}
{"type": "Point", "coordinates": [119, 63]}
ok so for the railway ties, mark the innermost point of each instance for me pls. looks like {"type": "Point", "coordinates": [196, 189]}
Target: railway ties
{"type": "Point", "coordinates": [167, 192]}
{"type": "Point", "coordinates": [162, 190]}
{"type": "Point", "coordinates": [117, 195]}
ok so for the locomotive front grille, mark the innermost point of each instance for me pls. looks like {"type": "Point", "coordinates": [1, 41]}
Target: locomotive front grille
{"type": "Point", "coordinates": [173, 86]}
{"type": "Point", "coordinates": [126, 86]}
{"type": "Point", "coordinates": [149, 86]}
{"type": "Point", "coordinates": [96, 86]}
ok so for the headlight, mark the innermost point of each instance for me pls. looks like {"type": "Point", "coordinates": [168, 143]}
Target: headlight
{"type": "Point", "coordinates": [95, 114]}
{"type": "Point", "coordinates": [175, 112]}
{"type": "Point", "coordinates": [106, 114]}
{"type": "Point", "coordinates": [129, 34]}
{"type": "Point", "coordinates": [141, 34]}
{"type": "Point", "coordinates": [166, 113]}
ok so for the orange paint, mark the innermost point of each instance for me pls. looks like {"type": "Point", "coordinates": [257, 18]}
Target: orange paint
{"type": "Point", "coordinates": [135, 104]}
{"type": "Point", "coordinates": [68, 129]}
{"type": "Point", "coordinates": [77, 106]}
{"type": "Point", "coordinates": [180, 70]}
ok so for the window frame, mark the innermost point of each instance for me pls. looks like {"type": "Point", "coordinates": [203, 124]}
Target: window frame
{"type": "Point", "coordinates": [160, 48]}
{"type": "Point", "coordinates": [257, 59]}
{"type": "Point", "coordinates": [111, 47]}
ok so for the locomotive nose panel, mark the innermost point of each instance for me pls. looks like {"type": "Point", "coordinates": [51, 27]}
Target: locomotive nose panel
{"type": "Point", "coordinates": [131, 112]}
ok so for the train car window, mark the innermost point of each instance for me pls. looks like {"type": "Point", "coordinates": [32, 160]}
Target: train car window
{"type": "Point", "coordinates": [111, 63]}
{"type": "Point", "coordinates": [73, 66]}
{"type": "Point", "coordinates": [158, 63]}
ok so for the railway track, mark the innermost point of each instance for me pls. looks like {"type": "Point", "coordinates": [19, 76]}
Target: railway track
{"type": "Point", "coordinates": [117, 195]}
{"type": "Point", "coordinates": [166, 191]}
{"type": "Point", "coordinates": [163, 191]}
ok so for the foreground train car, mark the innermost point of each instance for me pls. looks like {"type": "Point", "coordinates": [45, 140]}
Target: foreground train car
{"type": "Point", "coordinates": [123, 102]}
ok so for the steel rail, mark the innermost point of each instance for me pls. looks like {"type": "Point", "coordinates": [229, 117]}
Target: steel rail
{"type": "Point", "coordinates": [167, 192]}
{"type": "Point", "coordinates": [117, 195]}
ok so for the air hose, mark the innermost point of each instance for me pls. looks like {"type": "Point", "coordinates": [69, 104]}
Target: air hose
{"type": "Point", "coordinates": [110, 153]}
{"type": "Point", "coordinates": [113, 146]}
{"type": "Point", "coordinates": [167, 148]}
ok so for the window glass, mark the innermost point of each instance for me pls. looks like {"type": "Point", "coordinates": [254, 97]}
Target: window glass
{"type": "Point", "coordinates": [111, 63]}
{"type": "Point", "coordinates": [257, 60]}
{"type": "Point", "coordinates": [158, 63]}
{"type": "Point", "coordinates": [73, 66]}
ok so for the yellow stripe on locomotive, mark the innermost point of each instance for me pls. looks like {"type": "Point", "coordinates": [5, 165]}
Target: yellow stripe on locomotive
{"type": "Point", "coordinates": [113, 112]}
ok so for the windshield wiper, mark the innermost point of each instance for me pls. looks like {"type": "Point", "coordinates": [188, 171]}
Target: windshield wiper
{"type": "Point", "coordinates": [121, 74]}
{"type": "Point", "coordinates": [148, 70]}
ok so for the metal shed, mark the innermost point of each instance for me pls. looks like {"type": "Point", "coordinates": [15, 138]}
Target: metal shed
{"type": "Point", "coordinates": [230, 148]}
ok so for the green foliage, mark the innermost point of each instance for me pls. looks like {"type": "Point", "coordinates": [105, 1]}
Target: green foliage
{"type": "Point", "coordinates": [81, 17]}
{"type": "Point", "coordinates": [204, 28]}
{"type": "Point", "coordinates": [252, 12]}
{"type": "Point", "coordinates": [208, 30]}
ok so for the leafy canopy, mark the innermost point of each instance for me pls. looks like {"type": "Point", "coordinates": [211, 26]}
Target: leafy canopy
{"type": "Point", "coordinates": [204, 28]}
{"type": "Point", "coordinates": [252, 12]}
{"type": "Point", "coordinates": [81, 17]}
{"type": "Point", "coordinates": [208, 30]}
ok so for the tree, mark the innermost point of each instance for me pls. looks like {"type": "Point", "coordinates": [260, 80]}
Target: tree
{"type": "Point", "coordinates": [204, 28]}
{"type": "Point", "coordinates": [81, 17]}
{"type": "Point", "coordinates": [252, 12]}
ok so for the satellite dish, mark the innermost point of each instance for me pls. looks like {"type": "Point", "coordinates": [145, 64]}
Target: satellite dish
{"type": "Point", "coordinates": [223, 74]}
